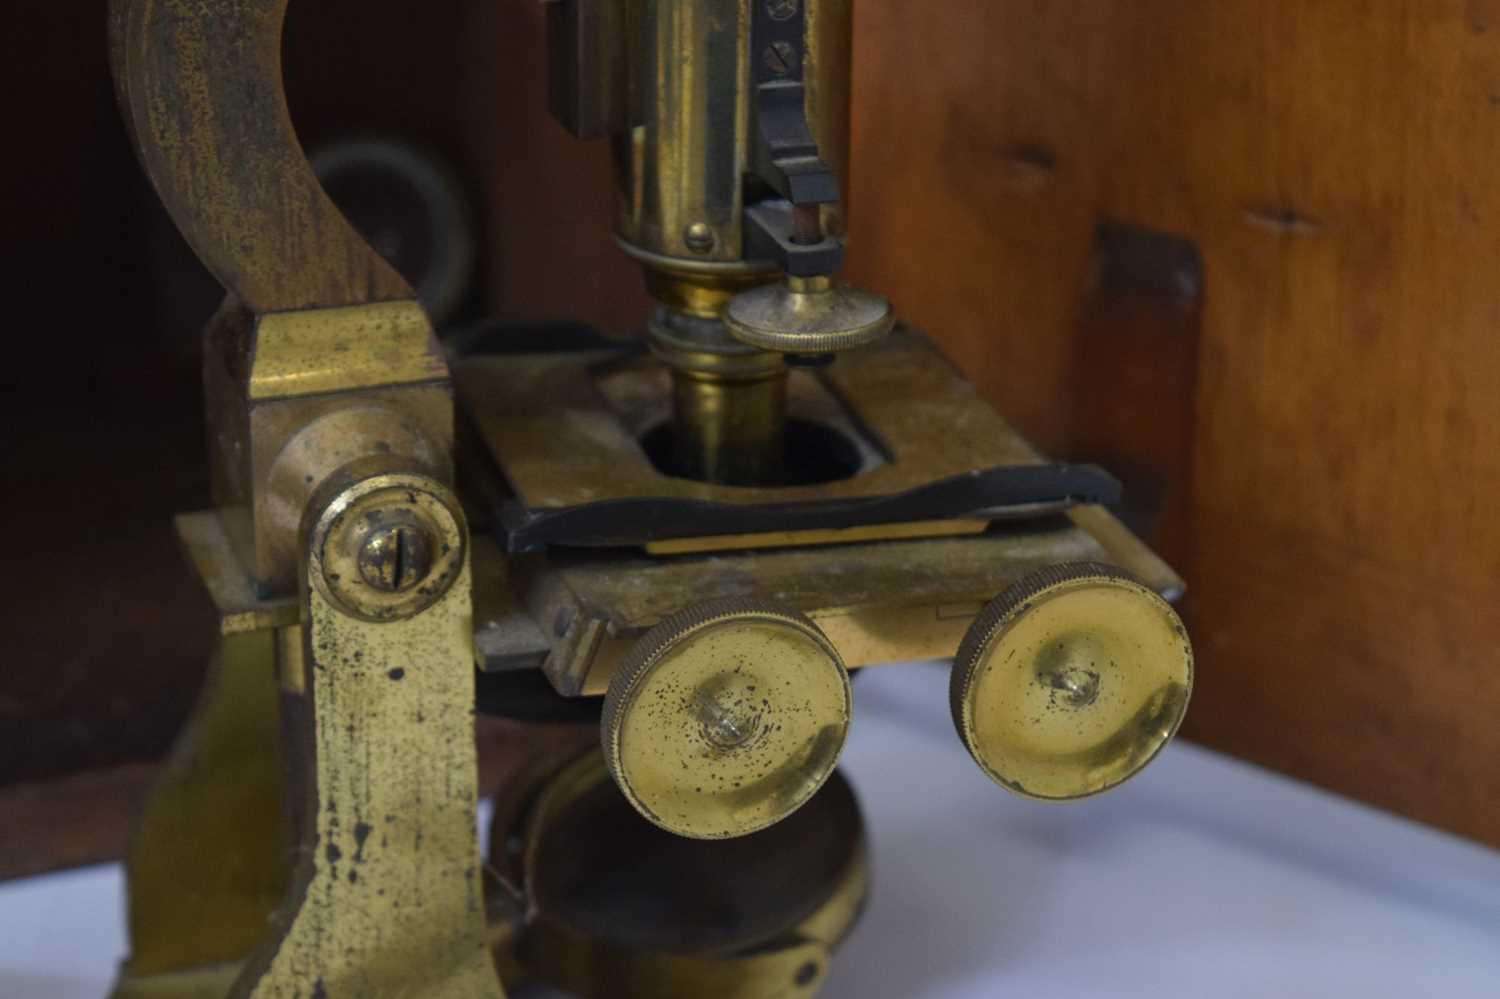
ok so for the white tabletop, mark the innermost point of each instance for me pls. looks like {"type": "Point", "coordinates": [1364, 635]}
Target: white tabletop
{"type": "Point", "coordinates": [1204, 877]}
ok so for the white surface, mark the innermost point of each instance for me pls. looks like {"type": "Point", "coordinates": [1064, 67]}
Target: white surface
{"type": "Point", "coordinates": [1201, 878]}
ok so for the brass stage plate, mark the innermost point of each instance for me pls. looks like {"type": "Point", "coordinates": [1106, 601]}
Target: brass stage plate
{"type": "Point", "coordinates": [881, 602]}
{"type": "Point", "coordinates": [565, 431]}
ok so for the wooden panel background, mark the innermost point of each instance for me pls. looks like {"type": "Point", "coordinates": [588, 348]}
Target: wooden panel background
{"type": "Point", "coordinates": [1333, 161]}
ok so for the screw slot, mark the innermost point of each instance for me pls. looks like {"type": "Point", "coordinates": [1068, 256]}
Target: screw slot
{"type": "Point", "coordinates": [781, 10]}
{"type": "Point", "coordinates": [781, 58]}
{"type": "Point", "coordinates": [395, 557]}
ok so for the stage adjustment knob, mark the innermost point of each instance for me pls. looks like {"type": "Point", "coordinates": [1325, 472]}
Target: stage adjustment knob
{"type": "Point", "coordinates": [1071, 681]}
{"type": "Point", "coordinates": [807, 315]}
{"type": "Point", "coordinates": [726, 717]}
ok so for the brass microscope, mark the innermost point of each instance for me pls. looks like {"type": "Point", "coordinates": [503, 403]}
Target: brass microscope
{"type": "Point", "coordinates": [692, 538]}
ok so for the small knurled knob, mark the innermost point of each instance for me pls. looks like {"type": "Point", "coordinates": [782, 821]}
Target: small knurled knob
{"type": "Point", "coordinates": [1071, 681]}
{"type": "Point", "coordinates": [726, 717]}
{"type": "Point", "coordinates": [809, 315]}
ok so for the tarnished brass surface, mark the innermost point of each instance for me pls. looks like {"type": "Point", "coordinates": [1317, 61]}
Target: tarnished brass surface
{"type": "Point", "coordinates": [728, 401]}
{"type": "Point", "coordinates": [879, 602]}
{"type": "Point", "coordinates": [726, 717]}
{"type": "Point", "coordinates": [313, 311]}
{"type": "Point", "coordinates": [359, 516]}
{"type": "Point", "coordinates": [270, 453]}
{"type": "Point", "coordinates": [680, 170]}
{"type": "Point", "coordinates": [750, 918]}
{"type": "Point", "coordinates": [695, 289]}
{"type": "Point", "coordinates": [837, 536]}
{"type": "Point", "coordinates": [1071, 681]}
{"type": "Point", "coordinates": [316, 351]}
{"type": "Point", "coordinates": [549, 425]}
{"type": "Point", "coordinates": [1129, 551]}
{"type": "Point", "coordinates": [385, 896]}
{"type": "Point", "coordinates": [228, 582]}
{"type": "Point", "coordinates": [808, 316]}
{"type": "Point", "coordinates": [200, 84]}
{"type": "Point", "coordinates": [215, 825]}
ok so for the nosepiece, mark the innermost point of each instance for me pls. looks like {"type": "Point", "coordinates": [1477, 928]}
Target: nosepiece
{"type": "Point", "coordinates": [726, 718]}
{"type": "Point", "coordinates": [1071, 681]}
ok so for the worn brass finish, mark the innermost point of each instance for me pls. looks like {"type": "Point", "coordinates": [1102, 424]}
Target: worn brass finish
{"type": "Point", "coordinates": [702, 292]}
{"type": "Point", "coordinates": [726, 717]}
{"type": "Point", "coordinates": [879, 602]}
{"type": "Point", "coordinates": [728, 401]}
{"type": "Point", "coordinates": [369, 513]}
{"type": "Point", "coordinates": [200, 85]}
{"type": "Point", "coordinates": [1129, 551]}
{"type": "Point", "coordinates": [1071, 681]}
{"type": "Point", "coordinates": [779, 942]}
{"type": "Point", "coordinates": [729, 430]}
{"type": "Point", "coordinates": [385, 896]}
{"type": "Point", "coordinates": [837, 536]}
{"type": "Point", "coordinates": [313, 352]}
{"type": "Point", "coordinates": [808, 316]}
{"type": "Point", "coordinates": [918, 421]}
{"type": "Point", "coordinates": [680, 170]}
{"type": "Point", "coordinates": [227, 580]}
{"type": "Point", "coordinates": [214, 822]}
{"type": "Point", "coordinates": [272, 452]}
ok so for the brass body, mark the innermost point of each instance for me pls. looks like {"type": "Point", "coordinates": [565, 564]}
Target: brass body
{"type": "Point", "coordinates": [728, 402]}
{"type": "Point", "coordinates": [398, 678]}
{"type": "Point", "coordinates": [680, 166]}
{"type": "Point", "coordinates": [681, 162]}
{"type": "Point", "coordinates": [314, 833]}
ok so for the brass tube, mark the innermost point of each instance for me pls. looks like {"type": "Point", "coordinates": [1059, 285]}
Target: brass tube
{"type": "Point", "coordinates": [728, 402]}
{"type": "Point", "coordinates": [728, 430]}
{"type": "Point", "coordinates": [680, 172]}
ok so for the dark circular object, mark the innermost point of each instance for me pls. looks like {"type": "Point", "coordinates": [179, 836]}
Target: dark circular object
{"type": "Point", "coordinates": [643, 889]}
{"type": "Point", "coordinates": [412, 209]}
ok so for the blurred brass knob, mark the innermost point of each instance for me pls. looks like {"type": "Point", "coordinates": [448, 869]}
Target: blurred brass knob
{"type": "Point", "coordinates": [807, 316]}
{"type": "Point", "coordinates": [1071, 681]}
{"type": "Point", "coordinates": [726, 717]}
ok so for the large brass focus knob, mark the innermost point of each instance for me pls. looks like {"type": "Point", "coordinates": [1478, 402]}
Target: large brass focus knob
{"type": "Point", "coordinates": [1071, 681]}
{"type": "Point", "coordinates": [726, 717]}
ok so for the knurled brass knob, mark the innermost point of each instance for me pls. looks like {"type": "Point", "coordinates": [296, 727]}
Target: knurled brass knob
{"type": "Point", "coordinates": [807, 316]}
{"type": "Point", "coordinates": [726, 717]}
{"type": "Point", "coordinates": [1071, 681]}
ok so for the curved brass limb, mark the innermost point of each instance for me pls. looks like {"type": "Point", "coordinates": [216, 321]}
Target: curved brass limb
{"type": "Point", "coordinates": [200, 83]}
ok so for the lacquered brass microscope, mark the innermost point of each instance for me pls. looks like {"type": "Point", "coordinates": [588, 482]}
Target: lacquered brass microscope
{"type": "Point", "coordinates": [693, 538]}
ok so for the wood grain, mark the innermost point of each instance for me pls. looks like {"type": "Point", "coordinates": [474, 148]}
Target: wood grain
{"type": "Point", "coordinates": [1332, 162]}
